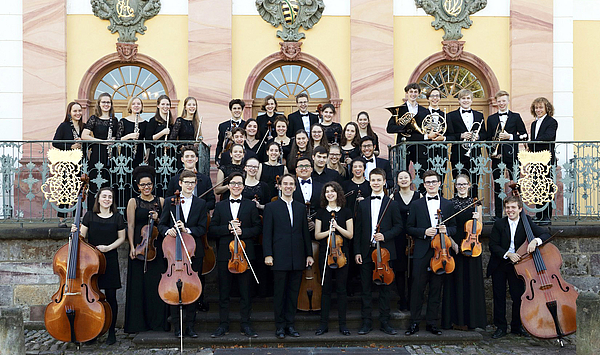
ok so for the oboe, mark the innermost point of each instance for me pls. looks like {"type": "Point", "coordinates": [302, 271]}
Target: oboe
{"type": "Point", "coordinates": [109, 138]}
{"type": "Point", "coordinates": [136, 129]}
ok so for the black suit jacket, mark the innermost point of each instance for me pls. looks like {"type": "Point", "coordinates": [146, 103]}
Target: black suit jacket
{"type": "Point", "coordinates": [415, 136]}
{"type": "Point", "coordinates": [295, 122]}
{"type": "Point", "coordinates": [500, 240]}
{"type": "Point", "coordinates": [289, 245]}
{"type": "Point", "coordinates": [203, 184]}
{"type": "Point", "coordinates": [418, 222]}
{"type": "Point", "coordinates": [387, 167]}
{"type": "Point", "coordinates": [547, 133]}
{"type": "Point", "coordinates": [196, 220]}
{"type": "Point", "coordinates": [390, 227]}
{"type": "Point", "coordinates": [315, 199]}
{"type": "Point", "coordinates": [219, 227]}
{"type": "Point", "coordinates": [515, 126]}
{"type": "Point", "coordinates": [456, 126]}
{"type": "Point", "coordinates": [224, 127]}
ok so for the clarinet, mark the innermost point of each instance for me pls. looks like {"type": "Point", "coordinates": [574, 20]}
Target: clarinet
{"type": "Point", "coordinates": [136, 129]}
{"type": "Point", "coordinates": [109, 138]}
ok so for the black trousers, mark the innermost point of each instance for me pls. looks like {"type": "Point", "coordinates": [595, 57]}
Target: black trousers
{"type": "Point", "coordinates": [496, 173]}
{"type": "Point", "coordinates": [226, 279]}
{"type": "Point", "coordinates": [420, 278]}
{"type": "Point", "coordinates": [285, 296]}
{"type": "Point", "coordinates": [341, 276]}
{"type": "Point", "coordinates": [385, 293]}
{"type": "Point", "coordinates": [189, 310]}
{"type": "Point", "coordinates": [503, 273]}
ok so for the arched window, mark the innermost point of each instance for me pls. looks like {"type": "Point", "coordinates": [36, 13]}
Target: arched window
{"type": "Point", "coordinates": [285, 81]}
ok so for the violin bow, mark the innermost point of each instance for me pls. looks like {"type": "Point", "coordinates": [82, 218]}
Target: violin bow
{"type": "Point", "coordinates": [244, 250]}
{"type": "Point", "coordinates": [215, 186]}
{"type": "Point", "coordinates": [385, 210]}
{"type": "Point", "coordinates": [544, 242]}
{"type": "Point", "coordinates": [327, 251]}
{"type": "Point", "coordinates": [181, 238]}
{"type": "Point", "coordinates": [477, 201]}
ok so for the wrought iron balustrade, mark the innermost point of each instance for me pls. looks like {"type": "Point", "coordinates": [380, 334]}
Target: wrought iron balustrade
{"type": "Point", "coordinates": [24, 167]}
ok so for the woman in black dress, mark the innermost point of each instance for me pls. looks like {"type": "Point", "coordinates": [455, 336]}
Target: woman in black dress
{"type": "Point", "coordinates": [144, 309]}
{"type": "Point", "coordinates": [270, 115]}
{"type": "Point", "coordinates": [158, 129]}
{"type": "Point", "coordinates": [301, 147]}
{"type": "Point", "coordinates": [365, 129]}
{"type": "Point", "coordinates": [333, 201]}
{"type": "Point", "coordinates": [70, 129]}
{"type": "Point", "coordinates": [350, 142]}
{"type": "Point", "coordinates": [333, 130]}
{"type": "Point", "coordinates": [254, 189]}
{"type": "Point", "coordinates": [101, 127]}
{"type": "Point", "coordinates": [463, 302]}
{"type": "Point", "coordinates": [132, 127]}
{"type": "Point", "coordinates": [334, 161]}
{"type": "Point", "coordinates": [317, 136]}
{"type": "Point", "coordinates": [285, 142]}
{"type": "Point", "coordinates": [404, 196]}
{"type": "Point", "coordinates": [272, 168]}
{"type": "Point", "coordinates": [252, 141]}
{"type": "Point", "coordinates": [187, 127]}
{"type": "Point", "coordinates": [236, 165]}
{"type": "Point", "coordinates": [104, 228]}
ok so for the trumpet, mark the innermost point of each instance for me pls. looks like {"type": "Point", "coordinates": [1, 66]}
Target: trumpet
{"type": "Point", "coordinates": [407, 121]}
{"type": "Point", "coordinates": [470, 142]}
{"type": "Point", "coordinates": [496, 146]}
{"type": "Point", "coordinates": [434, 123]}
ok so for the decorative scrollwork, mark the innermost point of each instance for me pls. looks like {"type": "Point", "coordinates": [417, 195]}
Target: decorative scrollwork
{"type": "Point", "coordinates": [63, 184]}
{"type": "Point", "coordinates": [536, 185]}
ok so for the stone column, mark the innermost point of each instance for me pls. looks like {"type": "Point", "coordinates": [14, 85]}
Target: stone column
{"type": "Point", "coordinates": [12, 339]}
{"type": "Point", "coordinates": [588, 323]}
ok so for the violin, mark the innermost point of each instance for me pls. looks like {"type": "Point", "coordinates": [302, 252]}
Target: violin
{"type": "Point", "coordinates": [238, 263]}
{"type": "Point", "coordinates": [210, 261]}
{"type": "Point", "coordinates": [549, 303]}
{"type": "Point", "coordinates": [382, 273]}
{"type": "Point", "coordinates": [335, 138]}
{"type": "Point", "coordinates": [275, 198]}
{"type": "Point", "coordinates": [146, 250]}
{"type": "Point", "coordinates": [78, 311]}
{"type": "Point", "coordinates": [180, 284]}
{"type": "Point", "coordinates": [471, 246]}
{"type": "Point", "coordinates": [335, 257]}
{"type": "Point", "coordinates": [441, 262]}
{"type": "Point", "coordinates": [309, 297]}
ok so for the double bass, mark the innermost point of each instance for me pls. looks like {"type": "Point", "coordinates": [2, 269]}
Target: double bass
{"type": "Point", "coordinates": [78, 311]}
{"type": "Point", "coordinates": [309, 297]}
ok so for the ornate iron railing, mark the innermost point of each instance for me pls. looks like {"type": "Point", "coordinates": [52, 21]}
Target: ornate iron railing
{"type": "Point", "coordinates": [576, 173]}
{"type": "Point", "coordinates": [24, 168]}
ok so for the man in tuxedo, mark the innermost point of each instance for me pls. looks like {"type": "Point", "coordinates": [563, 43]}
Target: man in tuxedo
{"type": "Point", "coordinates": [236, 106]}
{"type": "Point", "coordinates": [287, 248]}
{"type": "Point", "coordinates": [242, 215]}
{"type": "Point", "coordinates": [422, 226]}
{"type": "Point", "coordinates": [189, 157]}
{"type": "Point", "coordinates": [307, 190]}
{"type": "Point", "coordinates": [367, 149]}
{"type": "Point", "coordinates": [504, 126]}
{"type": "Point", "coordinates": [321, 173]}
{"type": "Point", "coordinates": [193, 221]}
{"type": "Point", "coordinates": [463, 125]}
{"type": "Point", "coordinates": [369, 216]}
{"type": "Point", "coordinates": [508, 234]}
{"type": "Point", "coordinates": [301, 119]}
{"type": "Point", "coordinates": [543, 129]}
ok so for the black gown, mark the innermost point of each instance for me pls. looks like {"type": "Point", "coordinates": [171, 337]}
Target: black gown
{"type": "Point", "coordinates": [331, 130]}
{"type": "Point", "coordinates": [463, 302]}
{"type": "Point", "coordinates": [401, 262]}
{"type": "Point", "coordinates": [182, 130]}
{"type": "Point", "coordinates": [268, 175]}
{"type": "Point", "coordinates": [144, 309]}
{"type": "Point", "coordinates": [126, 127]}
{"type": "Point", "coordinates": [228, 170]}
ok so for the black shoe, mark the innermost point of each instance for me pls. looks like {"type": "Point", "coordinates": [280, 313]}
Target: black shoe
{"type": "Point", "coordinates": [249, 332]}
{"type": "Point", "coordinates": [219, 332]}
{"type": "Point", "coordinates": [344, 330]}
{"type": "Point", "coordinates": [433, 330]}
{"type": "Point", "coordinates": [520, 331]}
{"type": "Point", "coordinates": [364, 329]}
{"type": "Point", "coordinates": [177, 333]}
{"type": "Point", "coordinates": [499, 333]}
{"type": "Point", "coordinates": [387, 329]}
{"type": "Point", "coordinates": [291, 332]}
{"type": "Point", "coordinates": [202, 306]}
{"type": "Point", "coordinates": [190, 332]}
{"type": "Point", "coordinates": [111, 338]}
{"type": "Point", "coordinates": [280, 333]}
{"type": "Point", "coordinates": [402, 305]}
{"type": "Point", "coordinates": [322, 330]}
{"type": "Point", "coordinates": [414, 327]}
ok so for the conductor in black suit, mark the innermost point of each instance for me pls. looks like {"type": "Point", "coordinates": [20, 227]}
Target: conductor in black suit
{"type": "Point", "coordinates": [466, 125]}
{"type": "Point", "coordinates": [504, 126]}
{"type": "Point", "coordinates": [287, 248]}
{"type": "Point", "coordinates": [193, 221]}
{"type": "Point", "coordinates": [422, 226]}
{"type": "Point", "coordinates": [301, 119]}
{"type": "Point", "coordinates": [236, 106]}
{"type": "Point", "coordinates": [368, 214]}
{"type": "Point", "coordinates": [508, 234]}
{"type": "Point", "coordinates": [189, 157]}
{"type": "Point", "coordinates": [543, 129]}
{"type": "Point", "coordinates": [243, 215]}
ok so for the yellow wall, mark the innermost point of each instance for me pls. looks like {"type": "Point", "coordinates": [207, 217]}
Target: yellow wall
{"type": "Point", "coordinates": [415, 40]}
{"type": "Point", "coordinates": [166, 41]}
{"type": "Point", "coordinates": [329, 41]}
{"type": "Point", "coordinates": [585, 80]}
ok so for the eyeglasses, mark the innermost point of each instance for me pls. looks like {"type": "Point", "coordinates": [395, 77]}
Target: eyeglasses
{"type": "Point", "coordinates": [236, 184]}
{"type": "Point", "coordinates": [462, 185]}
{"type": "Point", "coordinates": [189, 182]}
{"type": "Point", "coordinates": [431, 182]}
{"type": "Point", "coordinates": [367, 145]}
{"type": "Point", "coordinates": [304, 166]}
{"type": "Point", "coordinates": [147, 184]}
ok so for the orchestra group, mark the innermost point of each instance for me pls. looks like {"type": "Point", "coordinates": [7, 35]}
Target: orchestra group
{"type": "Point", "coordinates": [303, 194]}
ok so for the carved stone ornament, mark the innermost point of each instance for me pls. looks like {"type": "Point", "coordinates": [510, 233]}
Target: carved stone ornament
{"type": "Point", "coordinates": [126, 16]}
{"type": "Point", "coordinates": [63, 184]}
{"type": "Point", "coordinates": [453, 49]}
{"type": "Point", "coordinates": [291, 14]}
{"type": "Point", "coordinates": [451, 15]}
{"type": "Point", "coordinates": [290, 50]}
{"type": "Point", "coordinates": [127, 51]}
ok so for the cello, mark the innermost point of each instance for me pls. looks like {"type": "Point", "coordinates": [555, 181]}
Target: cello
{"type": "Point", "coordinates": [146, 249]}
{"type": "Point", "coordinates": [78, 311]}
{"type": "Point", "coordinates": [441, 262]}
{"type": "Point", "coordinates": [471, 246]}
{"type": "Point", "coordinates": [549, 303]}
{"type": "Point", "coordinates": [309, 297]}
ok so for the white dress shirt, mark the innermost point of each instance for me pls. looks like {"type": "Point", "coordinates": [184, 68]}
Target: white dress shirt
{"type": "Point", "coordinates": [290, 211]}
{"type": "Point", "coordinates": [412, 109]}
{"type": "Point", "coordinates": [538, 124]}
{"type": "Point", "coordinates": [503, 116]}
{"type": "Point", "coordinates": [186, 205]}
{"type": "Point", "coordinates": [513, 229]}
{"type": "Point", "coordinates": [432, 207]}
{"type": "Point", "coordinates": [306, 122]}
{"type": "Point", "coordinates": [369, 166]}
{"type": "Point", "coordinates": [306, 189]}
{"type": "Point", "coordinates": [234, 207]}
{"type": "Point", "coordinates": [467, 118]}
{"type": "Point", "coordinates": [375, 207]}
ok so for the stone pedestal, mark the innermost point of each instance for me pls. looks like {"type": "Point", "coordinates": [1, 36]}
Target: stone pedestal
{"type": "Point", "coordinates": [588, 323]}
{"type": "Point", "coordinates": [12, 339]}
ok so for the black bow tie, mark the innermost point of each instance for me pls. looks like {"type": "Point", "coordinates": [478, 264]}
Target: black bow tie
{"type": "Point", "coordinates": [235, 201]}
{"type": "Point", "coordinates": [436, 197]}
{"type": "Point", "coordinates": [305, 181]}
{"type": "Point", "coordinates": [375, 197]}
{"type": "Point", "coordinates": [503, 114]}
{"type": "Point", "coordinates": [372, 160]}
{"type": "Point", "coordinates": [466, 111]}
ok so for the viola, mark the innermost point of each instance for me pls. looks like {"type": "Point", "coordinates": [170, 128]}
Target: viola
{"type": "Point", "coordinates": [146, 249]}
{"type": "Point", "coordinates": [78, 311]}
{"type": "Point", "coordinates": [382, 273]}
{"type": "Point", "coordinates": [180, 284]}
{"type": "Point", "coordinates": [471, 246]}
{"type": "Point", "coordinates": [309, 297]}
{"type": "Point", "coordinates": [238, 263]}
{"type": "Point", "coordinates": [441, 262]}
{"type": "Point", "coordinates": [210, 261]}
{"type": "Point", "coordinates": [336, 257]}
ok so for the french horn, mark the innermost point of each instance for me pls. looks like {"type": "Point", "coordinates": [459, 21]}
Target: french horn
{"type": "Point", "coordinates": [434, 123]}
{"type": "Point", "coordinates": [407, 121]}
